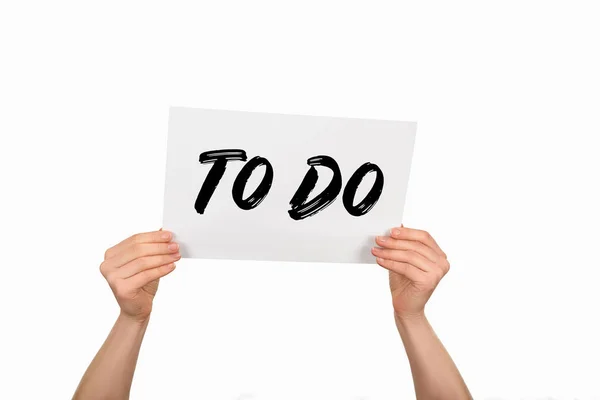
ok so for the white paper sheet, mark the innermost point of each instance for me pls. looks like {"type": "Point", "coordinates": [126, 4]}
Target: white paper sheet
{"type": "Point", "coordinates": [268, 232]}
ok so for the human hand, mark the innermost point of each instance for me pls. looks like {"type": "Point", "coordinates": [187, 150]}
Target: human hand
{"type": "Point", "coordinates": [134, 267]}
{"type": "Point", "coordinates": [416, 264]}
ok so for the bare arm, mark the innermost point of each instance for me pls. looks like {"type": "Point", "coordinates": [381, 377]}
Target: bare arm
{"type": "Point", "coordinates": [133, 269]}
{"type": "Point", "coordinates": [110, 374]}
{"type": "Point", "coordinates": [417, 264]}
{"type": "Point", "coordinates": [434, 374]}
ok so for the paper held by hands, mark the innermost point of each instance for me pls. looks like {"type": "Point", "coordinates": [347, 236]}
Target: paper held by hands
{"type": "Point", "coordinates": [259, 186]}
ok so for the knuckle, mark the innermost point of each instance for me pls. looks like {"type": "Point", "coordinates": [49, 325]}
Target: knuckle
{"type": "Point", "coordinates": [396, 244]}
{"type": "Point", "coordinates": [384, 253]}
{"type": "Point", "coordinates": [446, 265]}
{"type": "Point", "coordinates": [424, 235]}
{"type": "Point", "coordinates": [399, 244]}
{"type": "Point", "coordinates": [163, 269]}
{"type": "Point", "coordinates": [103, 268]}
{"type": "Point", "coordinates": [382, 261]}
{"type": "Point", "coordinates": [160, 260]}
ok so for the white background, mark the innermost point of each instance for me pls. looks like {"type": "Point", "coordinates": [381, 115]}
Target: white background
{"type": "Point", "coordinates": [505, 176]}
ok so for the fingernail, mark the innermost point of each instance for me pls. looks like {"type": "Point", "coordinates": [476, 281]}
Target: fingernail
{"type": "Point", "coordinates": [173, 246]}
{"type": "Point", "coordinates": [171, 266]}
{"type": "Point", "coordinates": [176, 255]}
{"type": "Point", "coordinates": [166, 235]}
{"type": "Point", "coordinates": [382, 238]}
{"type": "Point", "coordinates": [395, 231]}
{"type": "Point", "coordinates": [379, 259]}
{"type": "Point", "coordinates": [376, 250]}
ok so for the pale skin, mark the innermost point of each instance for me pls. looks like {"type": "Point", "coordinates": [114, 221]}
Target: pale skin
{"type": "Point", "coordinates": [416, 265]}
{"type": "Point", "coordinates": [133, 269]}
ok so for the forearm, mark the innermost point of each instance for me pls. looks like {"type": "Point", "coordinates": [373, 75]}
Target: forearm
{"type": "Point", "coordinates": [110, 374]}
{"type": "Point", "coordinates": [435, 375]}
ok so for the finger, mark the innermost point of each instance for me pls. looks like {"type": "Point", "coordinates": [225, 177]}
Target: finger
{"type": "Point", "coordinates": [146, 237]}
{"type": "Point", "coordinates": [412, 273]}
{"type": "Point", "coordinates": [417, 235]}
{"type": "Point", "coordinates": [139, 250]}
{"type": "Point", "coordinates": [405, 256]}
{"type": "Point", "coordinates": [399, 244]}
{"type": "Point", "coordinates": [145, 277]}
{"type": "Point", "coordinates": [144, 263]}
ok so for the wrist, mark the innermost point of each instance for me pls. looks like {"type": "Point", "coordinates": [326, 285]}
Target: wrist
{"type": "Point", "coordinates": [133, 320]}
{"type": "Point", "coordinates": [405, 319]}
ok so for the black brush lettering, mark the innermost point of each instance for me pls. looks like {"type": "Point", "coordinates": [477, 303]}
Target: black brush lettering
{"type": "Point", "coordinates": [261, 191]}
{"type": "Point", "coordinates": [219, 159]}
{"type": "Point", "coordinates": [352, 186]}
{"type": "Point", "coordinates": [300, 208]}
